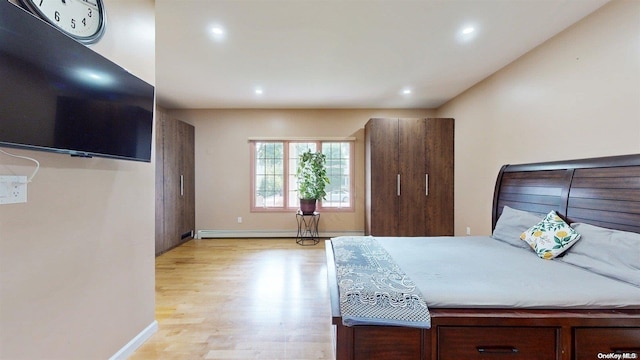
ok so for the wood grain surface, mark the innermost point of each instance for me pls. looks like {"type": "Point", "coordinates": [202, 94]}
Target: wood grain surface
{"type": "Point", "coordinates": [241, 299]}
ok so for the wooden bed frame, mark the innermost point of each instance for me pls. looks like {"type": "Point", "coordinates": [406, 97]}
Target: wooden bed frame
{"type": "Point", "coordinates": [601, 191]}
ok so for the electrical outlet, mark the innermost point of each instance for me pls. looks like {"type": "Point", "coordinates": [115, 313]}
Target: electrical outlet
{"type": "Point", "coordinates": [13, 189]}
{"type": "Point", "coordinates": [468, 230]}
{"type": "Point", "coordinates": [239, 219]}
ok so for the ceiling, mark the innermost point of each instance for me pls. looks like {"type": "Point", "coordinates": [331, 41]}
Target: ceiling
{"type": "Point", "coordinates": [343, 53]}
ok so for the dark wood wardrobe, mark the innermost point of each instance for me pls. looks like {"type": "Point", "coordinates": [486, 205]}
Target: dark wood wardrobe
{"type": "Point", "coordinates": [175, 182]}
{"type": "Point", "coordinates": [409, 177]}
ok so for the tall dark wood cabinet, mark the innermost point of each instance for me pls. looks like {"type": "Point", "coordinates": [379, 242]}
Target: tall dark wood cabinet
{"type": "Point", "coordinates": [175, 182]}
{"type": "Point", "coordinates": [409, 177]}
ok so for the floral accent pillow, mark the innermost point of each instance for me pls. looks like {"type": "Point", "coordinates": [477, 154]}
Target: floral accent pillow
{"type": "Point", "coordinates": [550, 237]}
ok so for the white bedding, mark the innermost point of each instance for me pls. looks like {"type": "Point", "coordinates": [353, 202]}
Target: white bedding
{"type": "Point", "coordinates": [481, 272]}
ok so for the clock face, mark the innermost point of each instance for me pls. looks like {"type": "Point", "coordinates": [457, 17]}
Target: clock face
{"type": "Point", "coordinates": [83, 20]}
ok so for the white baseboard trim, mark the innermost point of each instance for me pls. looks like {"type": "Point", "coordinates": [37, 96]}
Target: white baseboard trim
{"type": "Point", "coordinates": [135, 343]}
{"type": "Point", "coordinates": [216, 234]}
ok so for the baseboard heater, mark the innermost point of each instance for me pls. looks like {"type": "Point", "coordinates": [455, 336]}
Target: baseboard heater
{"type": "Point", "coordinates": [217, 234]}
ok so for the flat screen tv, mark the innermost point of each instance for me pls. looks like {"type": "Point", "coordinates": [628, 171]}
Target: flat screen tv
{"type": "Point", "coordinates": [58, 95]}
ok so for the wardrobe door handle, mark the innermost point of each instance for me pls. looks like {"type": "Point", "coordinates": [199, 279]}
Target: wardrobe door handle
{"type": "Point", "coordinates": [497, 349]}
{"type": "Point", "coordinates": [398, 185]}
{"type": "Point", "coordinates": [426, 184]}
{"type": "Point", "coordinates": [181, 185]}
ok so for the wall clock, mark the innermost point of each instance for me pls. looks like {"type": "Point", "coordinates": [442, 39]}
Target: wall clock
{"type": "Point", "coordinates": [83, 20]}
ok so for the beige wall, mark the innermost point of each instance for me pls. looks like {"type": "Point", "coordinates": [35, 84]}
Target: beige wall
{"type": "Point", "coordinates": [575, 96]}
{"type": "Point", "coordinates": [77, 260]}
{"type": "Point", "coordinates": [222, 162]}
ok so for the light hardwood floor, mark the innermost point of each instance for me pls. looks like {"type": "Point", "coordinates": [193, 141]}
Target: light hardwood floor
{"type": "Point", "coordinates": [241, 299]}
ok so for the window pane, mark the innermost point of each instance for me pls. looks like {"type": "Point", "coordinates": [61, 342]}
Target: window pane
{"type": "Point", "coordinates": [293, 192]}
{"type": "Point", "coordinates": [295, 149]}
{"type": "Point", "coordinates": [338, 171]}
{"type": "Point", "coordinates": [269, 174]}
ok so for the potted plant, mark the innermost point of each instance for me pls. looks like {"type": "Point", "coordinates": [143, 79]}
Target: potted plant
{"type": "Point", "coordinates": [312, 180]}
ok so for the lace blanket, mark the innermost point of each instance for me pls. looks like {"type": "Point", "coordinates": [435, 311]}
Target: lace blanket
{"type": "Point", "coordinates": [373, 289]}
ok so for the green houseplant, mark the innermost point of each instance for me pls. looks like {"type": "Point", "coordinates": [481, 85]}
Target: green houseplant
{"type": "Point", "coordinates": [312, 179]}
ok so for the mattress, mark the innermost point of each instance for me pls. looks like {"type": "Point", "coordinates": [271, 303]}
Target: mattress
{"type": "Point", "coordinates": [481, 272]}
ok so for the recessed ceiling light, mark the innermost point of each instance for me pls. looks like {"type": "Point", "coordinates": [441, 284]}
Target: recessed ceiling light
{"type": "Point", "coordinates": [467, 33]}
{"type": "Point", "coordinates": [258, 91]}
{"type": "Point", "coordinates": [406, 91]}
{"type": "Point", "coordinates": [218, 33]}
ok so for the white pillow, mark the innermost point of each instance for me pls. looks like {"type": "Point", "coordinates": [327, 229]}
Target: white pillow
{"type": "Point", "coordinates": [612, 253]}
{"type": "Point", "coordinates": [550, 237]}
{"type": "Point", "coordinates": [512, 223]}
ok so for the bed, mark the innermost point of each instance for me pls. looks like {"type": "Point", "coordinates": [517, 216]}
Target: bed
{"type": "Point", "coordinates": [590, 314]}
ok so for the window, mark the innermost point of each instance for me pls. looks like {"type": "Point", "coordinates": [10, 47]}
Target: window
{"type": "Point", "coordinates": [273, 171]}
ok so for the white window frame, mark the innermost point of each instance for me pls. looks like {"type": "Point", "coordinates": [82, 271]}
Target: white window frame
{"type": "Point", "coordinates": [289, 184]}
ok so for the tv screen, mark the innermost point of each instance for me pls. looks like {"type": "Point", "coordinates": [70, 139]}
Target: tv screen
{"type": "Point", "coordinates": [58, 95]}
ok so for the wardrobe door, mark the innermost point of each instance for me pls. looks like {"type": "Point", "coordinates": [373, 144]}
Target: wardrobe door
{"type": "Point", "coordinates": [160, 234]}
{"type": "Point", "coordinates": [412, 169]}
{"type": "Point", "coordinates": [175, 180]}
{"type": "Point", "coordinates": [173, 205]}
{"type": "Point", "coordinates": [186, 152]}
{"type": "Point", "coordinates": [439, 166]}
{"type": "Point", "coordinates": [381, 183]}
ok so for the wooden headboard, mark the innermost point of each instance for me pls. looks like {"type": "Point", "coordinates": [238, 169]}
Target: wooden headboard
{"type": "Point", "coordinates": [600, 191]}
